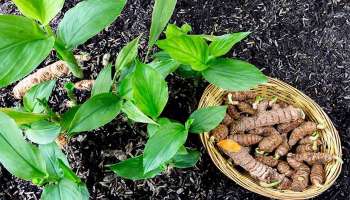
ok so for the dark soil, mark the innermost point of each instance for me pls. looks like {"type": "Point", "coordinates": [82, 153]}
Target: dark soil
{"type": "Point", "coordinates": [304, 43]}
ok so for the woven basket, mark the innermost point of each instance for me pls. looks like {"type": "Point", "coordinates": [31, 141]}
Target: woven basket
{"type": "Point", "coordinates": [212, 96]}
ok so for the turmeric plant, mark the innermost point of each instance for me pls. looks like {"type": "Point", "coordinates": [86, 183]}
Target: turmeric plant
{"type": "Point", "coordinates": [137, 89]}
{"type": "Point", "coordinates": [194, 54]}
{"type": "Point", "coordinates": [44, 164]}
{"type": "Point", "coordinates": [27, 40]}
{"type": "Point", "coordinates": [143, 89]}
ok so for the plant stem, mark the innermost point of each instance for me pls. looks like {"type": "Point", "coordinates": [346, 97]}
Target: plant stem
{"type": "Point", "coordinates": [48, 30]}
{"type": "Point", "coordinates": [147, 54]}
{"type": "Point", "coordinates": [68, 56]}
{"type": "Point", "coordinates": [114, 81]}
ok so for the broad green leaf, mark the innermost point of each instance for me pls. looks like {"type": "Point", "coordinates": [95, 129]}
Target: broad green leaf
{"type": "Point", "coordinates": [103, 82]}
{"type": "Point", "coordinates": [150, 91]}
{"type": "Point", "coordinates": [165, 67]}
{"type": "Point", "coordinates": [21, 117]}
{"type": "Point", "coordinates": [87, 19]}
{"type": "Point", "coordinates": [95, 112]}
{"type": "Point", "coordinates": [163, 145]}
{"type": "Point", "coordinates": [164, 64]}
{"type": "Point", "coordinates": [223, 44]}
{"type": "Point", "coordinates": [188, 124]}
{"type": "Point", "coordinates": [51, 153]}
{"type": "Point", "coordinates": [206, 119]}
{"type": "Point", "coordinates": [83, 191]}
{"type": "Point", "coordinates": [187, 72]}
{"type": "Point", "coordinates": [232, 74]}
{"type": "Point", "coordinates": [135, 114]}
{"type": "Point", "coordinates": [188, 50]}
{"type": "Point", "coordinates": [173, 31]}
{"type": "Point", "coordinates": [132, 169]}
{"type": "Point", "coordinates": [185, 160]}
{"type": "Point", "coordinates": [68, 56]}
{"type": "Point", "coordinates": [162, 11]}
{"type": "Point", "coordinates": [67, 117]}
{"type": "Point", "coordinates": [63, 190]}
{"type": "Point", "coordinates": [186, 28]}
{"type": "Point", "coordinates": [153, 128]}
{"type": "Point", "coordinates": [19, 157]}
{"type": "Point", "coordinates": [23, 46]}
{"type": "Point", "coordinates": [43, 132]}
{"type": "Point", "coordinates": [127, 54]}
{"type": "Point", "coordinates": [42, 10]}
{"type": "Point", "coordinates": [68, 172]}
{"type": "Point", "coordinates": [182, 151]}
{"type": "Point", "coordinates": [210, 38]}
{"type": "Point", "coordinates": [70, 175]}
{"type": "Point", "coordinates": [125, 87]}
{"type": "Point", "coordinates": [41, 91]}
{"type": "Point", "coordinates": [161, 55]}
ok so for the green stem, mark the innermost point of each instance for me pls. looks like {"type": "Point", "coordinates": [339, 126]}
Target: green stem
{"type": "Point", "coordinates": [48, 30]}
{"type": "Point", "coordinates": [68, 56]}
{"type": "Point", "coordinates": [114, 81]}
{"type": "Point", "coordinates": [147, 54]}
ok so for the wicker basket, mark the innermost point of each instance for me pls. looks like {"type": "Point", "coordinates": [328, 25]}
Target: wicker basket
{"type": "Point", "coordinates": [213, 96]}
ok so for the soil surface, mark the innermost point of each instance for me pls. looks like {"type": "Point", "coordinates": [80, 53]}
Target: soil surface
{"type": "Point", "coordinates": [304, 43]}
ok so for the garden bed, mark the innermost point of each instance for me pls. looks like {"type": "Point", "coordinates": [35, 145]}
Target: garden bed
{"type": "Point", "coordinates": [303, 44]}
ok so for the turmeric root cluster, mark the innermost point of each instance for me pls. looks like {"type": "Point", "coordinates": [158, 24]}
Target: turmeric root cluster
{"type": "Point", "coordinates": [272, 141]}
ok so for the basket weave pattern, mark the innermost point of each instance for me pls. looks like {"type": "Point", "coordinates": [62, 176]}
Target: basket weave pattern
{"type": "Point", "coordinates": [212, 96]}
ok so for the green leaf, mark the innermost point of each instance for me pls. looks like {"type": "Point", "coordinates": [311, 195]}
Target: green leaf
{"type": "Point", "coordinates": [150, 91]}
{"type": "Point", "coordinates": [164, 67]}
{"type": "Point", "coordinates": [19, 157]}
{"type": "Point", "coordinates": [87, 19]}
{"type": "Point", "coordinates": [23, 117]}
{"type": "Point", "coordinates": [173, 31]}
{"type": "Point", "coordinates": [182, 151]}
{"type": "Point", "coordinates": [127, 54]}
{"type": "Point", "coordinates": [162, 11]}
{"type": "Point", "coordinates": [163, 145]}
{"type": "Point", "coordinates": [164, 64]}
{"type": "Point", "coordinates": [23, 46]}
{"type": "Point", "coordinates": [43, 132]}
{"type": "Point", "coordinates": [42, 10]}
{"type": "Point", "coordinates": [58, 168]}
{"type": "Point", "coordinates": [67, 117]}
{"type": "Point", "coordinates": [132, 169]}
{"type": "Point", "coordinates": [223, 44]}
{"type": "Point", "coordinates": [208, 37]}
{"type": "Point", "coordinates": [83, 191]}
{"type": "Point", "coordinates": [95, 112]}
{"type": "Point", "coordinates": [103, 82]}
{"type": "Point", "coordinates": [232, 74]}
{"type": "Point", "coordinates": [188, 50]}
{"type": "Point", "coordinates": [125, 87]}
{"type": "Point", "coordinates": [187, 72]}
{"type": "Point", "coordinates": [41, 91]}
{"type": "Point", "coordinates": [51, 153]}
{"type": "Point", "coordinates": [68, 56]}
{"type": "Point", "coordinates": [63, 190]}
{"type": "Point", "coordinates": [186, 28]}
{"type": "Point", "coordinates": [135, 114]}
{"type": "Point", "coordinates": [206, 119]}
{"type": "Point", "coordinates": [68, 172]}
{"type": "Point", "coordinates": [185, 160]}
{"type": "Point", "coordinates": [153, 128]}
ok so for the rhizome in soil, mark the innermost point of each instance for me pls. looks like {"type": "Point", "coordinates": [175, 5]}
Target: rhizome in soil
{"type": "Point", "coordinates": [304, 43]}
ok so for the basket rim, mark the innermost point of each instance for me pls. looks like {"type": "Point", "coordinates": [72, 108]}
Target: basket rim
{"type": "Point", "coordinates": [224, 166]}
